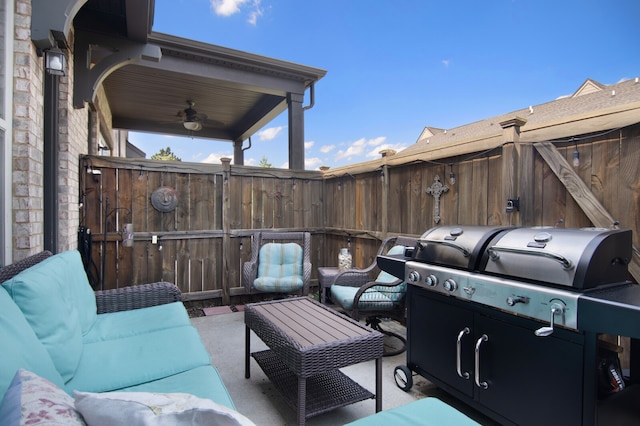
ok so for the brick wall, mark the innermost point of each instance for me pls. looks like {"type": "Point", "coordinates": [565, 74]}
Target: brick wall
{"type": "Point", "coordinates": [27, 192]}
{"type": "Point", "coordinates": [28, 122]}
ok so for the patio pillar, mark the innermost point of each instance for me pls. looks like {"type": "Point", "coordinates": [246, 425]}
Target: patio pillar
{"type": "Point", "coordinates": [296, 131]}
{"type": "Point", "coordinates": [238, 153]}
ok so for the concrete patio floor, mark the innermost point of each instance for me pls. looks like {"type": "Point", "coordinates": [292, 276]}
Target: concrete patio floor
{"type": "Point", "coordinates": [224, 337]}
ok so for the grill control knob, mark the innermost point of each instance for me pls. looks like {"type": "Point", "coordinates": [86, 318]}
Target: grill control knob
{"type": "Point", "coordinates": [431, 280]}
{"type": "Point", "coordinates": [414, 276]}
{"type": "Point", "coordinates": [450, 285]}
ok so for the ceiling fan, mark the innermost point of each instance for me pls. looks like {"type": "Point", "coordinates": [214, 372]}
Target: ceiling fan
{"type": "Point", "coordinates": [191, 119]}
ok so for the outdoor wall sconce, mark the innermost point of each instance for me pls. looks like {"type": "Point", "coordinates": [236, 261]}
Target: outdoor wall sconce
{"type": "Point", "coordinates": [452, 176]}
{"type": "Point", "coordinates": [54, 61]}
{"type": "Point", "coordinates": [513, 205]}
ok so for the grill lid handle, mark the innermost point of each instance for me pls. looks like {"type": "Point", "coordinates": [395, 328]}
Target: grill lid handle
{"type": "Point", "coordinates": [494, 255]}
{"type": "Point", "coordinates": [465, 252]}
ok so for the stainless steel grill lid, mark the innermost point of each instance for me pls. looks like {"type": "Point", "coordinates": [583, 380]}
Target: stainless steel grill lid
{"type": "Point", "coordinates": [578, 258]}
{"type": "Point", "coordinates": [455, 246]}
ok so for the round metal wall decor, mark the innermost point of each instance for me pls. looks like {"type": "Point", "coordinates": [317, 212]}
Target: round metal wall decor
{"type": "Point", "coordinates": [164, 199]}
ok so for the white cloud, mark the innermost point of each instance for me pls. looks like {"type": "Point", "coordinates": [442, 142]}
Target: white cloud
{"type": "Point", "coordinates": [446, 62]}
{"type": "Point", "coordinates": [312, 163]}
{"type": "Point", "coordinates": [358, 147]}
{"type": "Point", "coordinates": [309, 145]}
{"type": "Point", "coordinates": [214, 158]}
{"type": "Point", "coordinates": [327, 148]}
{"type": "Point", "coordinates": [269, 134]}
{"type": "Point", "coordinates": [256, 13]}
{"type": "Point", "coordinates": [231, 7]}
{"type": "Point", "coordinates": [227, 7]}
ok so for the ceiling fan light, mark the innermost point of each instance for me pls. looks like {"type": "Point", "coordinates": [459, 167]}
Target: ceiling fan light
{"type": "Point", "coordinates": [192, 125]}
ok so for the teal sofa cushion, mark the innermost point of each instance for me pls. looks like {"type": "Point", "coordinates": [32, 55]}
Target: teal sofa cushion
{"type": "Point", "coordinates": [118, 363]}
{"type": "Point", "coordinates": [21, 347]}
{"type": "Point", "coordinates": [57, 301]}
{"type": "Point", "coordinates": [424, 412]}
{"type": "Point", "coordinates": [279, 268]}
{"type": "Point", "coordinates": [115, 325]}
{"type": "Point", "coordinates": [203, 382]}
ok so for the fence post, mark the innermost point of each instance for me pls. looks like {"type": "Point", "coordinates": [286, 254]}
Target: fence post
{"type": "Point", "coordinates": [226, 238]}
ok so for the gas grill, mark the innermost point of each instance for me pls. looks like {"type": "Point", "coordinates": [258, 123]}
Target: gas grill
{"type": "Point", "coordinates": [507, 318]}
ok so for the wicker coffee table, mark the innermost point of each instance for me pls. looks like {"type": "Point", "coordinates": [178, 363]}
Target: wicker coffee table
{"type": "Point", "coordinates": [308, 344]}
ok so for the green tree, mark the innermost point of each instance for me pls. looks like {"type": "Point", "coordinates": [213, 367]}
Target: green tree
{"type": "Point", "coordinates": [166, 155]}
{"type": "Point", "coordinates": [265, 163]}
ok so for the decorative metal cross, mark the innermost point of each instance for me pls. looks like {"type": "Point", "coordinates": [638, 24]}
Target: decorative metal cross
{"type": "Point", "coordinates": [436, 190]}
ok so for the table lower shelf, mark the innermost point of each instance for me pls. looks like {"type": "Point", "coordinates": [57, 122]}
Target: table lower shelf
{"type": "Point", "coordinates": [325, 391]}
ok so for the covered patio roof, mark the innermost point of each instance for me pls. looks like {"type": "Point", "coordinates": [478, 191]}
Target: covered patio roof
{"type": "Point", "coordinates": [151, 78]}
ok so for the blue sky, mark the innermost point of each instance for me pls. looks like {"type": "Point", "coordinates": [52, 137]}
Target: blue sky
{"type": "Point", "coordinates": [394, 67]}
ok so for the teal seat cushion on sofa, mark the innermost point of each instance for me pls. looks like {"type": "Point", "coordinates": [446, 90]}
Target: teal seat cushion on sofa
{"type": "Point", "coordinates": [203, 382]}
{"type": "Point", "coordinates": [279, 268]}
{"type": "Point", "coordinates": [21, 347]}
{"type": "Point", "coordinates": [58, 302]}
{"type": "Point", "coordinates": [118, 363]}
{"type": "Point", "coordinates": [424, 412]}
{"type": "Point", "coordinates": [115, 325]}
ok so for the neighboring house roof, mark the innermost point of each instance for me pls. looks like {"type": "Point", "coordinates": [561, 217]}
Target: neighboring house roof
{"type": "Point", "coordinates": [593, 107]}
{"type": "Point", "coordinates": [590, 99]}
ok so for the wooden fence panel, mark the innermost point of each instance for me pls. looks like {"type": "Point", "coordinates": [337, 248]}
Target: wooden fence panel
{"type": "Point", "coordinates": [339, 211]}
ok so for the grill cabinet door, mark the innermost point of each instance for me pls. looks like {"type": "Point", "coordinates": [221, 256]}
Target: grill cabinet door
{"type": "Point", "coordinates": [531, 380]}
{"type": "Point", "coordinates": [432, 330]}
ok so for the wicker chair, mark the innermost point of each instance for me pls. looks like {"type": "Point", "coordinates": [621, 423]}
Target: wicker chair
{"type": "Point", "coordinates": [288, 269]}
{"type": "Point", "coordinates": [358, 293]}
{"type": "Point", "coordinates": [121, 299]}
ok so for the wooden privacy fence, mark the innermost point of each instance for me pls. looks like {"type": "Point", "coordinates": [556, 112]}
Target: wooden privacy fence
{"type": "Point", "coordinates": [201, 244]}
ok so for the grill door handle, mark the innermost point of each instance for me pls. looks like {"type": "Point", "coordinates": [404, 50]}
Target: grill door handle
{"type": "Point", "coordinates": [483, 385]}
{"type": "Point", "coordinates": [495, 255]}
{"type": "Point", "coordinates": [465, 252]}
{"type": "Point", "coordinates": [464, 375]}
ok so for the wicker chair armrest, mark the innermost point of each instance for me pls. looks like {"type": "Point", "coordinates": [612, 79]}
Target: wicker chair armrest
{"type": "Point", "coordinates": [137, 296]}
{"type": "Point", "coordinates": [10, 271]}
{"type": "Point", "coordinates": [352, 278]}
{"type": "Point", "coordinates": [249, 274]}
{"type": "Point", "coordinates": [356, 299]}
{"type": "Point", "coordinates": [370, 284]}
{"type": "Point", "coordinates": [306, 277]}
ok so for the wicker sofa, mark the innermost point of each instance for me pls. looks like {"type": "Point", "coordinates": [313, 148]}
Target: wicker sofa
{"type": "Point", "coordinates": [136, 338]}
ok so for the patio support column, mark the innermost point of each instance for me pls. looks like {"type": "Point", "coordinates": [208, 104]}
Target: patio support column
{"type": "Point", "coordinates": [296, 131]}
{"type": "Point", "coordinates": [238, 153]}
{"type": "Point", "coordinates": [226, 227]}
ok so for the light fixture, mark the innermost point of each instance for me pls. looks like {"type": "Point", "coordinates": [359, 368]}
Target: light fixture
{"type": "Point", "coordinates": [576, 157]}
{"type": "Point", "coordinates": [54, 61]}
{"type": "Point", "coordinates": [192, 125]}
{"type": "Point", "coordinates": [452, 176]}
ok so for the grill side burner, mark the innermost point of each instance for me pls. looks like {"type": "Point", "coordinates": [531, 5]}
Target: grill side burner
{"type": "Point", "coordinates": [507, 319]}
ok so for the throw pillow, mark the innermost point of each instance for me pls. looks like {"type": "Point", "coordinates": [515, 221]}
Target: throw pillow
{"type": "Point", "coordinates": [32, 400]}
{"type": "Point", "coordinates": [148, 408]}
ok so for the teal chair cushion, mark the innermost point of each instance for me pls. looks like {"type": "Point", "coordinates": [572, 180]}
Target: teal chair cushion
{"type": "Point", "coordinates": [426, 412]}
{"type": "Point", "coordinates": [279, 268]}
{"type": "Point", "coordinates": [370, 299]}
{"type": "Point", "coordinates": [377, 297]}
